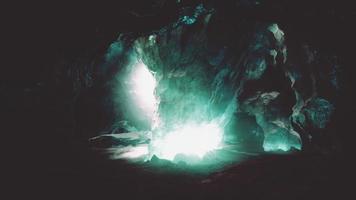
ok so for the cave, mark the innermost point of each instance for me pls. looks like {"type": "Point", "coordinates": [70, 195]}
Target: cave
{"type": "Point", "coordinates": [160, 99]}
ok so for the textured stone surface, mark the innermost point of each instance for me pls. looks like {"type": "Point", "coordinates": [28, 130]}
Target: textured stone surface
{"type": "Point", "coordinates": [251, 67]}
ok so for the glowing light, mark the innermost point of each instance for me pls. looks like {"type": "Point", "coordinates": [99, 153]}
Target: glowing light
{"type": "Point", "coordinates": [130, 152]}
{"type": "Point", "coordinates": [275, 147]}
{"type": "Point", "coordinates": [190, 140]}
{"type": "Point", "coordinates": [136, 152]}
{"type": "Point", "coordinates": [142, 89]}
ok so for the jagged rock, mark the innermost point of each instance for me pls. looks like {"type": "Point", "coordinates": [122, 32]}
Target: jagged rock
{"type": "Point", "coordinates": [201, 77]}
{"type": "Point", "coordinates": [318, 112]}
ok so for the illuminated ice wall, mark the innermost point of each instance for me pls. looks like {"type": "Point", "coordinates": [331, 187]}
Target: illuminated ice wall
{"type": "Point", "coordinates": [190, 85]}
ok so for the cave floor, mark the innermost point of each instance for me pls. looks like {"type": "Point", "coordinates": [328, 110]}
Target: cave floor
{"type": "Point", "coordinates": [283, 176]}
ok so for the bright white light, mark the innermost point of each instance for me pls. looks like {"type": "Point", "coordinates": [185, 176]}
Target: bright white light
{"type": "Point", "coordinates": [135, 152]}
{"type": "Point", "coordinates": [142, 89]}
{"type": "Point", "coordinates": [191, 140]}
{"type": "Point", "coordinates": [195, 139]}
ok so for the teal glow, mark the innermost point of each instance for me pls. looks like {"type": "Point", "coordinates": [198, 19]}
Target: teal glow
{"type": "Point", "coordinates": [142, 85]}
{"type": "Point", "coordinates": [276, 147]}
{"type": "Point", "coordinates": [188, 139]}
{"type": "Point", "coordinates": [281, 139]}
{"type": "Point", "coordinates": [187, 99]}
{"type": "Point", "coordinates": [184, 131]}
